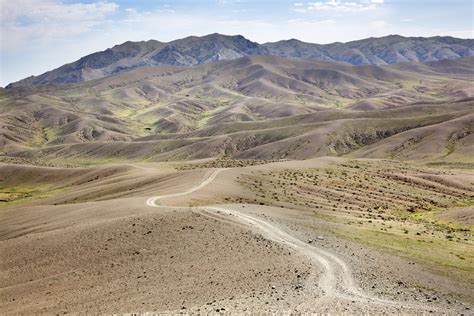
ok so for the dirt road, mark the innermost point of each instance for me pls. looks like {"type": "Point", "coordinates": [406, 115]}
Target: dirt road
{"type": "Point", "coordinates": [152, 201]}
{"type": "Point", "coordinates": [336, 281]}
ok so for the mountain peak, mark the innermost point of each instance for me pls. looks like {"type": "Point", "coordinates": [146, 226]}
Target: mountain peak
{"type": "Point", "coordinates": [194, 50]}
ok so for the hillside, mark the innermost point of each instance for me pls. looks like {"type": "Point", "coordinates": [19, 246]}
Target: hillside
{"type": "Point", "coordinates": [150, 172]}
{"type": "Point", "coordinates": [195, 50]}
{"type": "Point", "coordinates": [259, 107]}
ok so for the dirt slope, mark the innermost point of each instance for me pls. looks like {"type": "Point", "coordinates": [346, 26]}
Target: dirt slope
{"type": "Point", "coordinates": [102, 253]}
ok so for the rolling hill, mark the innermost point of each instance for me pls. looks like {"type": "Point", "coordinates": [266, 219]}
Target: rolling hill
{"type": "Point", "coordinates": [254, 107]}
{"type": "Point", "coordinates": [144, 183]}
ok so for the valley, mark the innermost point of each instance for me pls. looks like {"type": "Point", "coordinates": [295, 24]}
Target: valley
{"type": "Point", "coordinates": [270, 180]}
{"type": "Point", "coordinates": [369, 213]}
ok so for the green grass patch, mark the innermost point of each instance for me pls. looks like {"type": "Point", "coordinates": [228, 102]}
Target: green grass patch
{"type": "Point", "coordinates": [15, 195]}
{"type": "Point", "coordinates": [445, 255]}
{"type": "Point", "coordinates": [204, 117]}
{"type": "Point", "coordinates": [42, 138]}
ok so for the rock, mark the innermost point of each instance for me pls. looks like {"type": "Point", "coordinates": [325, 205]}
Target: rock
{"type": "Point", "coordinates": [187, 52]}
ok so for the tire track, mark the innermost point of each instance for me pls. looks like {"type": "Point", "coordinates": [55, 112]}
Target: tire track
{"type": "Point", "coordinates": [152, 201]}
{"type": "Point", "coordinates": [336, 281]}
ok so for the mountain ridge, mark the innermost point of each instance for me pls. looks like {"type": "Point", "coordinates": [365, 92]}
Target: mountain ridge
{"type": "Point", "coordinates": [195, 50]}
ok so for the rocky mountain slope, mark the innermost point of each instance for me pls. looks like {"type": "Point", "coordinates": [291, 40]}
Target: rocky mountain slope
{"type": "Point", "coordinates": [194, 50]}
{"type": "Point", "coordinates": [392, 49]}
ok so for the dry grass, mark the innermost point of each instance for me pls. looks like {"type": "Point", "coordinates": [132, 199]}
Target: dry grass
{"type": "Point", "coordinates": [390, 205]}
{"type": "Point", "coordinates": [224, 163]}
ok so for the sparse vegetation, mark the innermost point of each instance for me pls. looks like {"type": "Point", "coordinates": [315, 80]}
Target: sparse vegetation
{"type": "Point", "coordinates": [394, 208]}
{"type": "Point", "coordinates": [353, 184]}
{"type": "Point", "coordinates": [224, 163]}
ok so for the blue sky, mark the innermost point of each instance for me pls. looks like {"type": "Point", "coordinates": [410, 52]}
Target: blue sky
{"type": "Point", "coordinates": [39, 35]}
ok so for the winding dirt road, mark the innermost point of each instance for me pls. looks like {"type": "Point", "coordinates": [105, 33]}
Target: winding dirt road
{"type": "Point", "coordinates": [152, 201]}
{"type": "Point", "coordinates": [336, 280]}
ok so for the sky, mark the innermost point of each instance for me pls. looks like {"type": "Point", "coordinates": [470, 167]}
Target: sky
{"type": "Point", "coordinates": [40, 35]}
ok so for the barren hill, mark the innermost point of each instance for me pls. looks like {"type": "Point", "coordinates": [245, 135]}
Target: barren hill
{"type": "Point", "coordinates": [261, 107]}
{"type": "Point", "coordinates": [343, 188]}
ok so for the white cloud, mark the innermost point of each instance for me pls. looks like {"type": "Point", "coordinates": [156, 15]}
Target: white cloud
{"type": "Point", "coordinates": [42, 21]}
{"type": "Point", "coordinates": [224, 2]}
{"type": "Point", "coordinates": [338, 6]}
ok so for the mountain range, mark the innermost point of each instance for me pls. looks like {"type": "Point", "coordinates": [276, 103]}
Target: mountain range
{"type": "Point", "coordinates": [193, 50]}
{"type": "Point", "coordinates": [214, 175]}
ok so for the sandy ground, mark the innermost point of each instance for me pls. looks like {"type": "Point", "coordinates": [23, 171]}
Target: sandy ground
{"type": "Point", "coordinates": [167, 260]}
{"type": "Point", "coordinates": [122, 255]}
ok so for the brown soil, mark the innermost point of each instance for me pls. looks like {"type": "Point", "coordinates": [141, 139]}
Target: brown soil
{"type": "Point", "coordinates": [85, 241]}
